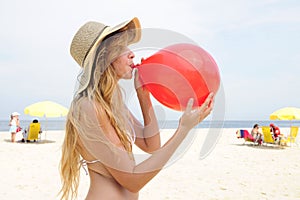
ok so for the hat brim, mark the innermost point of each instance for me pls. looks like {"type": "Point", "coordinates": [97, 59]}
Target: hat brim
{"type": "Point", "coordinates": [133, 24]}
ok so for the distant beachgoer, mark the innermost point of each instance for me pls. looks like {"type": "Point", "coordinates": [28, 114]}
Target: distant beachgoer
{"type": "Point", "coordinates": [14, 123]}
{"type": "Point", "coordinates": [26, 132]}
{"type": "Point", "coordinates": [275, 131]}
{"type": "Point", "coordinates": [256, 134]}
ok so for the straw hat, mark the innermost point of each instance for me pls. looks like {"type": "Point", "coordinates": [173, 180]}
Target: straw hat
{"type": "Point", "coordinates": [91, 34]}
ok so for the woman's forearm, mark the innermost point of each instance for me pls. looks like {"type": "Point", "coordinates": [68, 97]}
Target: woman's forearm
{"type": "Point", "coordinates": [160, 157]}
{"type": "Point", "coordinates": [150, 133]}
{"type": "Point", "coordinates": [146, 170]}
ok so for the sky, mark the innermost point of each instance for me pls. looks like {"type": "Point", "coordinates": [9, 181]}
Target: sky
{"type": "Point", "coordinates": [256, 45]}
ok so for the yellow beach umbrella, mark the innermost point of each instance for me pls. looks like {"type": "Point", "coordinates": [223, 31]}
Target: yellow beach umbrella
{"type": "Point", "coordinates": [287, 113]}
{"type": "Point", "coordinates": [47, 109]}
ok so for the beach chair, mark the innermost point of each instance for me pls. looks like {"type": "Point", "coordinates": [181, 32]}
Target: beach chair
{"type": "Point", "coordinates": [268, 138]}
{"type": "Point", "coordinates": [245, 135]}
{"type": "Point", "coordinates": [293, 134]}
{"type": "Point", "coordinates": [34, 131]}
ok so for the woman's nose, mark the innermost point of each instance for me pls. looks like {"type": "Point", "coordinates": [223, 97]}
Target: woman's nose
{"type": "Point", "coordinates": [131, 55]}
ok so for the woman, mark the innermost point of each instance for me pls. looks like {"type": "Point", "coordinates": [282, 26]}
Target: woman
{"type": "Point", "coordinates": [101, 130]}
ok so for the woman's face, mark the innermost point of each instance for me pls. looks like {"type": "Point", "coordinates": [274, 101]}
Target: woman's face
{"type": "Point", "coordinates": [123, 64]}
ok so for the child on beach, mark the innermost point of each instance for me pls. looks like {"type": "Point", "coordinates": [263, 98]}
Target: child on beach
{"type": "Point", "coordinates": [100, 130]}
{"type": "Point", "coordinates": [14, 123]}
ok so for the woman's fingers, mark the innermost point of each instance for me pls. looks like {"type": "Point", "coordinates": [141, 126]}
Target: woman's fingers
{"type": "Point", "coordinates": [191, 117]}
{"type": "Point", "coordinates": [137, 82]}
{"type": "Point", "coordinates": [206, 108]}
{"type": "Point", "coordinates": [189, 105]}
{"type": "Point", "coordinates": [136, 74]}
{"type": "Point", "coordinates": [208, 101]}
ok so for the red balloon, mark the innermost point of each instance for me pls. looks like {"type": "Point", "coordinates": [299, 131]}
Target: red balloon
{"type": "Point", "coordinates": [179, 72]}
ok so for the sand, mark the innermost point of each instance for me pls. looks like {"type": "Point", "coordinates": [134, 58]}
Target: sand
{"type": "Point", "coordinates": [233, 170]}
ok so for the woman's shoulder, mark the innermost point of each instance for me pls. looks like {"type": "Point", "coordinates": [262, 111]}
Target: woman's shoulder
{"type": "Point", "coordinates": [88, 105]}
{"type": "Point", "coordinates": [82, 102]}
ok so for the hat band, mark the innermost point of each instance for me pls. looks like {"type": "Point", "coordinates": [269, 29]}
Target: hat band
{"type": "Point", "coordinates": [93, 43]}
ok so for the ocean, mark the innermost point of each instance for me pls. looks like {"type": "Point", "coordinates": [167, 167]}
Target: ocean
{"type": "Point", "coordinates": [170, 124]}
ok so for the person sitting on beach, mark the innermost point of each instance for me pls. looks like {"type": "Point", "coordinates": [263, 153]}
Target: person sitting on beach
{"type": "Point", "coordinates": [101, 130]}
{"type": "Point", "coordinates": [256, 134]}
{"type": "Point", "coordinates": [26, 132]}
{"type": "Point", "coordinates": [275, 131]}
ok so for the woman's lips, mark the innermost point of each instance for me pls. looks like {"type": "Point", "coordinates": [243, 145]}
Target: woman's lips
{"type": "Point", "coordinates": [133, 66]}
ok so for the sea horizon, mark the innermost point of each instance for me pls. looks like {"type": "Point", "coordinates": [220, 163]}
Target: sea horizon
{"type": "Point", "coordinates": [52, 124]}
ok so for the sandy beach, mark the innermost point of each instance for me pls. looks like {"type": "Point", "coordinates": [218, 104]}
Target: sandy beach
{"type": "Point", "coordinates": [233, 170]}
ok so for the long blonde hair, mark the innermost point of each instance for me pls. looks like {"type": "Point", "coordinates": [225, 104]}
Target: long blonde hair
{"type": "Point", "coordinates": [103, 89]}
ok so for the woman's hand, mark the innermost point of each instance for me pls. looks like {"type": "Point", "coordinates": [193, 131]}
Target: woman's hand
{"type": "Point", "coordinates": [192, 117]}
{"type": "Point", "coordinates": [140, 89]}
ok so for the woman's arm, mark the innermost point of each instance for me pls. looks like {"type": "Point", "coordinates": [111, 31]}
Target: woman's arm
{"type": "Point", "coordinates": [100, 139]}
{"type": "Point", "coordinates": [142, 173]}
{"type": "Point", "coordinates": [147, 136]}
